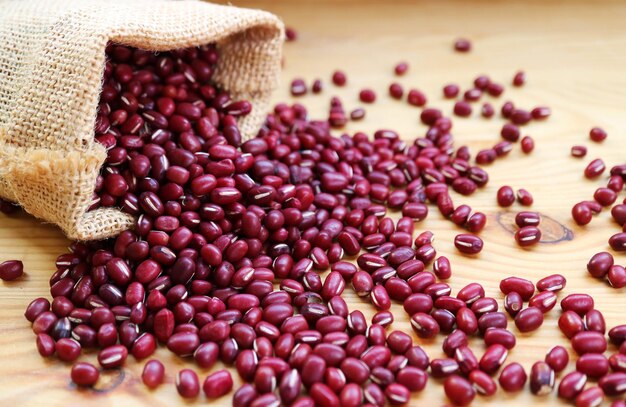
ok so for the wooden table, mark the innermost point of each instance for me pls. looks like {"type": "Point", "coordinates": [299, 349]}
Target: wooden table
{"type": "Point", "coordinates": [573, 55]}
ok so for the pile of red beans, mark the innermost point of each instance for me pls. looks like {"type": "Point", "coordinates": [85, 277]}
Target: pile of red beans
{"type": "Point", "coordinates": [231, 236]}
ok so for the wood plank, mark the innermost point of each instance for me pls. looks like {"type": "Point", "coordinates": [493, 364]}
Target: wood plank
{"type": "Point", "coordinates": [572, 53]}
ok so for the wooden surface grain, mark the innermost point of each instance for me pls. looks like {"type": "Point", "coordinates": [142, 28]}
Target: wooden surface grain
{"type": "Point", "coordinates": [573, 54]}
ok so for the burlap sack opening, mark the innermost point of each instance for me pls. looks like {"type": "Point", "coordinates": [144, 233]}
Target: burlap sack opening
{"type": "Point", "coordinates": [52, 55]}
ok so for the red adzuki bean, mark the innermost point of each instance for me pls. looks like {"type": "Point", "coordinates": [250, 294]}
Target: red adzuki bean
{"type": "Point", "coordinates": [153, 373]}
{"type": "Point", "coordinates": [512, 378]}
{"type": "Point", "coordinates": [468, 244]}
{"type": "Point", "coordinates": [11, 270]}
{"type": "Point", "coordinates": [85, 374]}
{"type": "Point", "coordinates": [459, 390]}
{"type": "Point", "coordinates": [578, 151]}
{"type": "Point", "coordinates": [462, 45]}
{"type": "Point", "coordinates": [597, 134]}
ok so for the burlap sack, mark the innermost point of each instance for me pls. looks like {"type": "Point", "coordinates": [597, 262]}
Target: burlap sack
{"type": "Point", "coordinates": [52, 55]}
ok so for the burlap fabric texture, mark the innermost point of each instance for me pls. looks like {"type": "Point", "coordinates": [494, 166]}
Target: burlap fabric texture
{"type": "Point", "coordinates": [52, 56]}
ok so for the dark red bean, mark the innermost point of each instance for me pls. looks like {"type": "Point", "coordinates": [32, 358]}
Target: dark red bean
{"type": "Point", "coordinates": [615, 183]}
{"type": "Point", "coordinates": [493, 358]}
{"type": "Point", "coordinates": [519, 79]}
{"type": "Point", "coordinates": [594, 321]}
{"type": "Point", "coordinates": [107, 335]}
{"type": "Point", "coordinates": [520, 116]}
{"type": "Point", "coordinates": [570, 323]}
{"type": "Point", "coordinates": [524, 197]}
{"type": "Point", "coordinates": [466, 359]}
{"type": "Point", "coordinates": [397, 394]}
{"type": "Point", "coordinates": [290, 385]}
{"type": "Point", "coordinates": [339, 78]}
{"type": "Point", "coordinates": [443, 367]}
{"type": "Point", "coordinates": [459, 390]}
{"type": "Point", "coordinates": [244, 396]}
{"type": "Point", "coordinates": [468, 244]}
{"type": "Point", "coordinates": [529, 319]}
{"type": "Point", "coordinates": [367, 96]}
{"type": "Point", "coordinates": [351, 395]}
{"type": "Point", "coordinates": [417, 98]}
{"type": "Point", "coordinates": [512, 378]}
{"type": "Point", "coordinates": [579, 303]}
{"type": "Point", "coordinates": [462, 45]}
{"type": "Point", "coordinates": [618, 242]}
{"type": "Point", "coordinates": [68, 350]}
{"type": "Point", "coordinates": [396, 91]}
{"type": "Point", "coordinates": [593, 396]}
{"type": "Point", "coordinates": [418, 303]}
{"type": "Point", "coordinates": [527, 143]}
{"type": "Point", "coordinates": [462, 109]}
{"type": "Point", "coordinates": [153, 373]}
{"type": "Point", "coordinates": [613, 384]}
{"type": "Point", "coordinates": [399, 342]}
{"type": "Point", "coordinates": [298, 87]}
{"type": "Point", "coordinates": [597, 134]}
{"type": "Point", "coordinates": [401, 68]}
{"type": "Point", "coordinates": [11, 270]}
{"type": "Point", "coordinates": [450, 91]}
{"type": "Point", "coordinates": [144, 346]}
{"type": "Point", "coordinates": [492, 320]}
{"type": "Point", "coordinates": [589, 342]}
{"type": "Point", "coordinates": [45, 345]}
{"type": "Point", "coordinates": [595, 168]}
{"type": "Point", "coordinates": [525, 218]}
{"type": "Point", "coordinates": [578, 151]}
{"type": "Point", "coordinates": [187, 383]}
{"type": "Point", "coordinates": [594, 365]}
{"type": "Point", "coordinates": [412, 378]}
{"type": "Point", "coordinates": [482, 383]}
{"type": "Point", "coordinates": [599, 264]}
{"type": "Point", "coordinates": [605, 196]}
{"type": "Point", "coordinates": [617, 334]}
{"type": "Point", "coordinates": [85, 374]}
{"type": "Point", "coordinates": [541, 379]}
{"type": "Point", "coordinates": [466, 321]}
{"type": "Point", "coordinates": [499, 336]}
{"type": "Point", "coordinates": [323, 395]}
{"type": "Point", "coordinates": [417, 357]}
{"type": "Point", "coordinates": [355, 370]}
{"type": "Point", "coordinates": [505, 196]}
{"type": "Point", "coordinates": [544, 301]}
{"type": "Point", "coordinates": [112, 356]}
{"type": "Point", "coordinates": [524, 287]}
{"type": "Point", "coordinates": [483, 305]}
{"type": "Point", "coordinates": [581, 213]}
{"type": "Point", "coordinates": [619, 214]}
{"type": "Point", "coordinates": [417, 211]}
{"type": "Point", "coordinates": [507, 109]}
{"type": "Point", "coordinates": [454, 305]}
{"type": "Point", "coordinates": [35, 308]}
{"type": "Point", "coordinates": [486, 156]}
{"type": "Point", "coordinates": [476, 222]}
{"type": "Point", "coordinates": [571, 385]}
{"type": "Point", "coordinates": [424, 325]}
{"type": "Point", "coordinates": [554, 282]}
{"type": "Point", "coordinates": [527, 236]}
{"type": "Point", "coordinates": [217, 384]}
{"type": "Point", "coordinates": [557, 358]}
{"type": "Point", "coordinates": [510, 132]}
